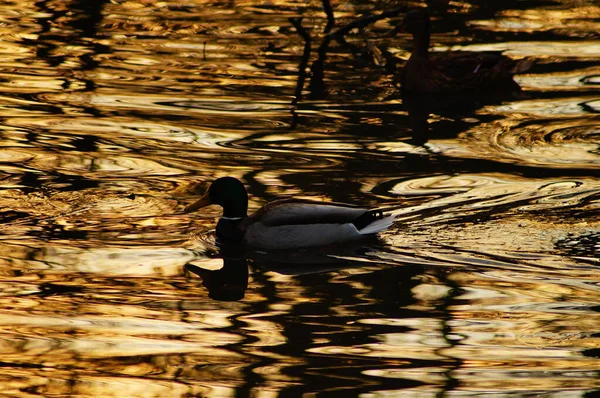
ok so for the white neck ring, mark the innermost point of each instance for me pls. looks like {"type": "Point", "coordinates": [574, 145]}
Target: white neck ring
{"type": "Point", "coordinates": [231, 218]}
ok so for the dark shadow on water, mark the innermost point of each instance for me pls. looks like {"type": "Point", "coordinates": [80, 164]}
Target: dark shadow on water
{"type": "Point", "coordinates": [80, 19]}
{"type": "Point", "coordinates": [456, 108]}
{"type": "Point", "coordinates": [386, 293]}
{"type": "Point", "coordinates": [230, 282]}
{"type": "Point", "coordinates": [317, 260]}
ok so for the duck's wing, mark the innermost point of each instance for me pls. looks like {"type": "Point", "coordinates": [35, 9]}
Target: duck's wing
{"type": "Point", "coordinates": [293, 223]}
{"type": "Point", "coordinates": [458, 64]}
{"type": "Point", "coordinates": [303, 212]}
{"type": "Point", "coordinates": [477, 71]}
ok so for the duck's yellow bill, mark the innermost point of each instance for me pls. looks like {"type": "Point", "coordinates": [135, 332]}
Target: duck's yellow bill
{"type": "Point", "coordinates": [204, 201]}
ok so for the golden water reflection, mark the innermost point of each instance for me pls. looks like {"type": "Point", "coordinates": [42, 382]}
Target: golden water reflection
{"type": "Point", "coordinates": [116, 115]}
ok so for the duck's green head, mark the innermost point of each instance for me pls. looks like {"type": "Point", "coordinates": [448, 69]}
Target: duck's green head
{"type": "Point", "coordinates": [227, 192]}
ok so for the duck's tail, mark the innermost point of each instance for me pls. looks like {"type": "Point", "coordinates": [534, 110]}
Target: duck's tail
{"type": "Point", "coordinates": [372, 222]}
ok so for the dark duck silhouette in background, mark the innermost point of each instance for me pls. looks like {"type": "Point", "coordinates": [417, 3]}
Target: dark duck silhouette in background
{"type": "Point", "coordinates": [287, 223]}
{"type": "Point", "coordinates": [454, 72]}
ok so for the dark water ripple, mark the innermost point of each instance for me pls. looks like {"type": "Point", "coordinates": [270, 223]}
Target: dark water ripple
{"type": "Point", "coordinates": [115, 115]}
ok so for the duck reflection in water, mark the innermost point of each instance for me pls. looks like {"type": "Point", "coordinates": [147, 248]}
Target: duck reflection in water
{"type": "Point", "coordinates": [450, 82]}
{"type": "Point", "coordinates": [287, 223]}
{"type": "Point", "coordinates": [229, 283]}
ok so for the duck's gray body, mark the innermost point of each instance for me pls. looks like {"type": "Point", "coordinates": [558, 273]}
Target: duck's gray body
{"type": "Point", "coordinates": [293, 223]}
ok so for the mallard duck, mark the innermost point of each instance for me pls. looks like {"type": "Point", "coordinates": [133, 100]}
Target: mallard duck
{"type": "Point", "coordinates": [454, 71]}
{"type": "Point", "coordinates": [287, 223]}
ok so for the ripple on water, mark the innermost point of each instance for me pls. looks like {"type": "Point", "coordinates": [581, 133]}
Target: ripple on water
{"type": "Point", "coordinates": [591, 80]}
{"type": "Point", "coordinates": [14, 155]}
{"type": "Point", "coordinates": [97, 166]}
{"type": "Point", "coordinates": [572, 49]}
{"type": "Point", "coordinates": [565, 142]}
{"type": "Point", "coordinates": [551, 107]}
{"type": "Point", "coordinates": [93, 219]}
{"type": "Point", "coordinates": [476, 192]}
{"type": "Point", "coordinates": [143, 261]}
{"type": "Point", "coordinates": [579, 79]}
{"type": "Point", "coordinates": [585, 244]}
{"type": "Point", "coordinates": [113, 129]}
{"type": "Point", "coordinates": [490, 220]}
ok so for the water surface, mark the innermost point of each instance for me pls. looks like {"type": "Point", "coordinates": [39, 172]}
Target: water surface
{"type": "Point", "coordinates": [115, 115]}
